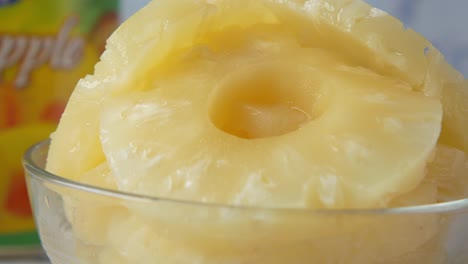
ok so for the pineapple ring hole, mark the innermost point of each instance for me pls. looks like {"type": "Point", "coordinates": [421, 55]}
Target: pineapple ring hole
{"type": "Point", "coordinates": [261, 104]}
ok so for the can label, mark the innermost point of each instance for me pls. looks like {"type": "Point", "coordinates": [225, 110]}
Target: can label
{"type": "Point", "coordinates": [46, 46]}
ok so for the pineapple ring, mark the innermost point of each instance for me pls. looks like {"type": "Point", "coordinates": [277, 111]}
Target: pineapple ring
{"type": "Point", "coordinates": [172, 110]}
{"type": "Point", "coordinates": [271, 134]}
{"type": "Point", "coordinates": [383, 132]}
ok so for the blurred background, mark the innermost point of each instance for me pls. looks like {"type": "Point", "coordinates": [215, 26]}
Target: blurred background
{"type": "Point", "coordinates": [29, 112]}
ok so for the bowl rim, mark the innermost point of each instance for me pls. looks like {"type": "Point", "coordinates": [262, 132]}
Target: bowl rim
{"type": "Point", "coordinates": [35, 171]}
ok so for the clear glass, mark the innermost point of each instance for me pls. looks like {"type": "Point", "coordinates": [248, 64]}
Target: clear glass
{"type": "Point", "coordinates": [87, 225]}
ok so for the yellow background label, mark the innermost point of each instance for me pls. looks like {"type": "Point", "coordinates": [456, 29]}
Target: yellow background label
{"type": "Point", "coordinates": [45, 48]}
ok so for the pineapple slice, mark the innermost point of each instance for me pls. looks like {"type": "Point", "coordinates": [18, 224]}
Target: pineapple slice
{"type": "Point", "coordinates": [449, 172]}
{"type": "Point", "coordinates": [82, 209]}
{"type": "Point", "coordinates": [357, 139]}
{"type": "Point", "coordinates": [455, 122]}
{"type": "Point", "coordinates": [273, 103]}
{"type": "Point", "coordinates": [361, 152]}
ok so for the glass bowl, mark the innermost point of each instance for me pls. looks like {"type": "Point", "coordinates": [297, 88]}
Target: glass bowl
{"type": "Point", "coordinates": [89, 225]}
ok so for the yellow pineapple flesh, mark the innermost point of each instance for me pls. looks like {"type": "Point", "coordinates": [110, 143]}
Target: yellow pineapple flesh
{"type": "Point", "coordinates": [271, 104]}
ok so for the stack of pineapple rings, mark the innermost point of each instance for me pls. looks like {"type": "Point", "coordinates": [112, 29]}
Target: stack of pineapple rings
{"type": "Point", "coordinates": [292, 104]}
{"type": "Point", "coordinates": [265, 103]}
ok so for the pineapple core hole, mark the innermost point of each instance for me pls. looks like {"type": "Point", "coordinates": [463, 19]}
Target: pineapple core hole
{"type": "Point", "coordinates": [260, 105]}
